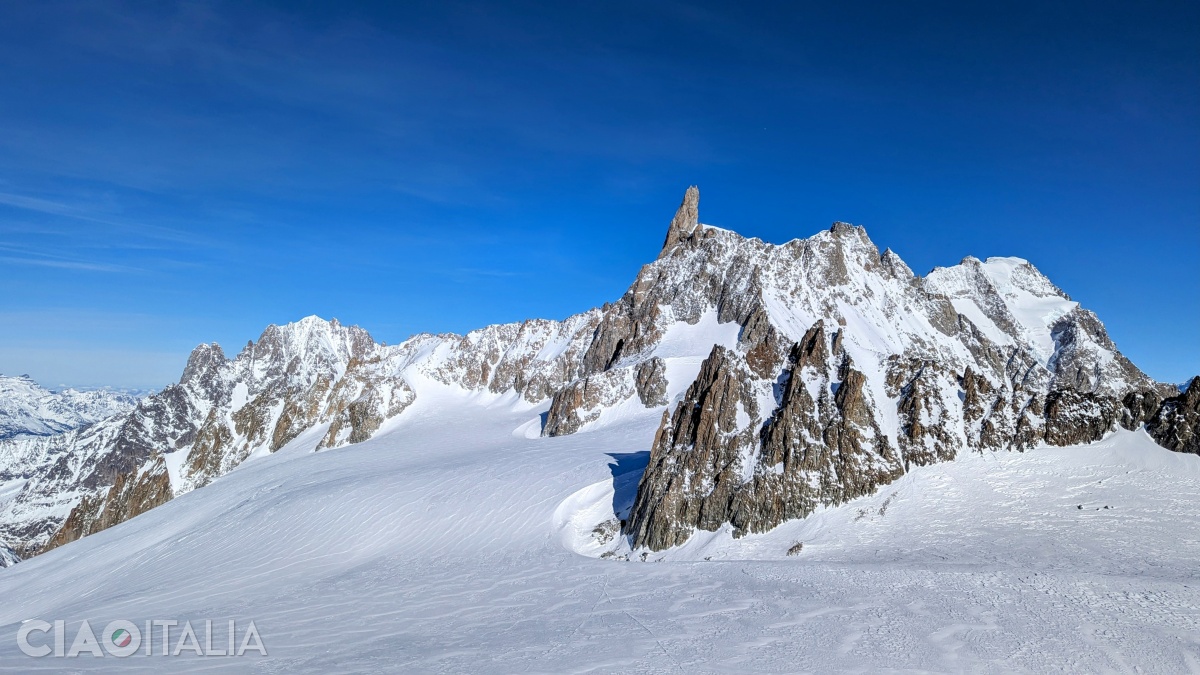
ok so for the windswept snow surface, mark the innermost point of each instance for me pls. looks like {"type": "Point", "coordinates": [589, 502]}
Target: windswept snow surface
{"type": "Point", "coordinates": [456, 543]}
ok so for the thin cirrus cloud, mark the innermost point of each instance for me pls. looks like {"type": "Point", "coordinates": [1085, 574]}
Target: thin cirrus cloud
{"type": "Point", "coordinates": [443, 166]}
{"type": "Point", "coordinates": [66, 264]}
{"type": "Point", "coordinates": [83, 223]}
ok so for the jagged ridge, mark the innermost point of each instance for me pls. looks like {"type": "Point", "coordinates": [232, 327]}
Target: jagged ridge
{"type": "Point", "coordinates": [841, 370]}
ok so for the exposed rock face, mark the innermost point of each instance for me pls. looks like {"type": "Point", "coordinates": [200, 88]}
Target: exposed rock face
{"type": "Point", "coordinates": [1085, 358]}
{"type": "Point", "coordinates": [1073, 418]}
{"type": "Point", "coordinates": [762, 343]}
{"type": "Point", "coordinates": [713, 463]}
{"type": "Point", "coordinates": [583, 400]}
{"type": "Point", "coordinates": [686, 220]}
{"type": "Point", "coordinates": [1139, 408]}
{"type": "Point", "coordinates": [1176, 425]}
{"type": "Point", "coordinates": [534, 358]}
{"type": "Point", "coordinates": [651, 379]}
{"type": "Point", "coordinates": [132, 494]}
{"type": "Point", "coordinates": [929, 412]}
{"type": "Point", "coordinates": [359, 404]}
{"type": "Point", "coordinates": [695, 487]}
{"type": "Point", "coordinates": [831, 369]}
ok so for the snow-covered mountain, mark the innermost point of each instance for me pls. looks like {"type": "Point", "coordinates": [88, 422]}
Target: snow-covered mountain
{"type": "Point", "coordinates": [27, 409]}
{"type": "Point", "coordinates": [787, 378]}
{"type": "Point", "coordinates": [457, 540]}
{"type": "Point", "coordinates": [811, 442]}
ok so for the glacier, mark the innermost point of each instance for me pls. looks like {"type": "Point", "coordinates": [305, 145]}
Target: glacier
{"type": "Point", "coordinates": [444, 546]}
{"type": "Point", "coordinates": [760, 458]}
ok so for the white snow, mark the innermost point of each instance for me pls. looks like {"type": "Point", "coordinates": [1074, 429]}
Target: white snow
{"type": "Point", "coordinates": [453, 544]}
{"type": "Point", "coordinates": [969, 309]}
{"type": "Point", "coordinates": [684, 347]}
{"type": "Point", "coordinates": [682, 339]}
{"type": "Point", "coordinates": [28, 409]}
{"type": "Point", "coordinates": [1030, 300]}
{"type": "Point", "coordinates": [240, 396]}
{"type": "Point", "coordinates": [175, 468]}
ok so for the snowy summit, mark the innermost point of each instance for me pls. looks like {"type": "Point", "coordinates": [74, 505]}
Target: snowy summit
{"type": "Point", "coordinates": [837, 463]}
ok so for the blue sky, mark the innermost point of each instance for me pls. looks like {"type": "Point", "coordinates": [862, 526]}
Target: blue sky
{"type": "Point", "coordinates": [172, 174]}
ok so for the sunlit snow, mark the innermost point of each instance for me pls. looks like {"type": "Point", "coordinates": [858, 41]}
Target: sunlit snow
{"type": "Point", "coordinates": [458, 541]}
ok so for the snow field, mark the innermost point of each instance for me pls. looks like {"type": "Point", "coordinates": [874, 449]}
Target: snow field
{"type": "Point", "coordinates": [455, 543]}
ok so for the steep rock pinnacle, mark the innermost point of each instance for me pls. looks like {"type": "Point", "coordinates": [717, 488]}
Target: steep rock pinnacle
{"type": "Point", "coordinates": [686, 220]}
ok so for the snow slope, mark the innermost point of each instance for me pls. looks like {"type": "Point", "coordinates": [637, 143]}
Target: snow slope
{"type": "Point", "coordinates": [449, 543]}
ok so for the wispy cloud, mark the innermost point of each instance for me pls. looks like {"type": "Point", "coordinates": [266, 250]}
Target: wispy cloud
{"type": "Point", "coordinates": [35, 204]}
{"type": "Point", "coordinates": [19, 255]}
{"type": "Point", "coordinates": [68, 264]}
{"type": "Point", "coordinates": [76, 222]}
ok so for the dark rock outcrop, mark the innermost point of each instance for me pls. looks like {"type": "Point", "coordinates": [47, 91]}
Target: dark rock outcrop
{"type": "Point", "coordinates": [1074, 418]}
{"type": "Point", "coordinates": [584, 400]}
{"type": "Point", "coordinates": [763, 344]}
{"type": "Point", "coordinates": [1138, 407]}
{"type": "Point", "coordinates": [711, 464]}
{"type": "Point", "coordinates": [1176, 424]}
{"type": "Point", "coordinates": [928, 430]}
{"type": "Point", "coordinates": [651, 379]}
{"type": "Point", "coordinates": [686, 220]}
{"type": "Point", "coordinates": [695, 463]}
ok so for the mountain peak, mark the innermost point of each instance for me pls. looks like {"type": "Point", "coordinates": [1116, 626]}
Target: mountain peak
{"type": "Point", "coordinates": [686, 220]}
{"type": "Point", "coordinates": [203, 359]}
{"type": "Point", "coordinates": [826, 343]}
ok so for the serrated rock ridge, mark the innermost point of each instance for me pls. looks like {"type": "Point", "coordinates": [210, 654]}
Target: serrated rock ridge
{"type": "Point", "coordinates": [787, 377]}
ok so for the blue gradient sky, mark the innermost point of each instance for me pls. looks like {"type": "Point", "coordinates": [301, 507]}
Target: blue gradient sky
{"type": "Point", "coordinates": [176, 174]}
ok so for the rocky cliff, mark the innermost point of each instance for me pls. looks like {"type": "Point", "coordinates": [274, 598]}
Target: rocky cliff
{"type": "Point", "coordinates": [850, 370]}
{"type": "Point", "coordinates": [787, 377]}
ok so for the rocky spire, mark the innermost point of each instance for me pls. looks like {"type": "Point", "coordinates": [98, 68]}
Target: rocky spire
{"type": "Point", "coordinates": [686, 220]}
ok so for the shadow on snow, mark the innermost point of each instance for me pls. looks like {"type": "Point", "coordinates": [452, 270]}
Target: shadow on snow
{"type": "Point", "coordinates": [627, 469]}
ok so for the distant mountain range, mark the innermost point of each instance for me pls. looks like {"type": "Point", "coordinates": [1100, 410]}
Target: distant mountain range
{"type": "Point", "coordinates": [28, 409]}
{"type": "Point", "coordinates": [812, 372]}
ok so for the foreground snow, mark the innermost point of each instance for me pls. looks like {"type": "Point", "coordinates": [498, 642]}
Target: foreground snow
{"type": "Point", "coordinates": [453, 542]}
